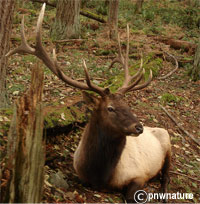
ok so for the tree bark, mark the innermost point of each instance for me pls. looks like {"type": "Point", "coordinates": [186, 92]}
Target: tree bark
{"type": "Point", "coordinates": [6, 15]}
{"type": "Point", "coordinates": [66, 24]}
{"type": "Point", "coordinates": [138, 6]}
{"type": "Point", "coordinates": [113, 18]}
{"type": "Point", "coordinates": [195, 71]}
{"type": "Point", "coordinates": [25, 146]}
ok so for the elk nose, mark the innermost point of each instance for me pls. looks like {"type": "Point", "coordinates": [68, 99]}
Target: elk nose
{"type": "Point", "coordinates": [139, 128]}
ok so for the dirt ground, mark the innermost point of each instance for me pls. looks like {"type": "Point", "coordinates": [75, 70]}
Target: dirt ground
{"type": "Point", "coordinates": [184, 174]}
{"type": "Point", "coordinates": [177, 94]}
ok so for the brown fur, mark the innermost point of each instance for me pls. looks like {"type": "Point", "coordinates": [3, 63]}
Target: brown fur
{"type": "Point", "coordinates": [104, 147]}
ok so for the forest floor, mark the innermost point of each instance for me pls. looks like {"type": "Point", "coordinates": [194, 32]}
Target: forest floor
{"type": "Point", "coordinates": [177, 94]}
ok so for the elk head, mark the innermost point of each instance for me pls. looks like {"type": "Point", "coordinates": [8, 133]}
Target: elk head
{"type": "Point", "coordinates": [109, 106]}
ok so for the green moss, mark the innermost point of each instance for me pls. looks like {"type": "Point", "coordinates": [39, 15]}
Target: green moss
{"type": "Point", "coordinates": [6, 112]}
{"type": "Point", "coordinates": [6, 116]}
{"type": "Point", "coordinates": [169, 98]}
{"type": "Point", "coordinates": [100, 52]}
{"type": "Point", "coordinates": [60, 117]}
{"type": "Point", "coordinates": [150, 62]}
{"type": "Point", "coordinates": [63, 116]}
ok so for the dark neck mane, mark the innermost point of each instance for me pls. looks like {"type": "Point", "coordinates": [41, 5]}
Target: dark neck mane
{"type": "Point", "coordinates": [103, 147]}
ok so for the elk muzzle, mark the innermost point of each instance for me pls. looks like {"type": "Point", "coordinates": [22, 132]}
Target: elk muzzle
{"type": "Point", "coordinates": [134, 129]}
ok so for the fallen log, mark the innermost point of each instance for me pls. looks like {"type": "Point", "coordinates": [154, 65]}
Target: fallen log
{"type": "Point", "coordinates": [177, 44]}
{"type": "Point", "coordinates": [92, 16]}
{"type": "Point", "coordinates": [85, 13]}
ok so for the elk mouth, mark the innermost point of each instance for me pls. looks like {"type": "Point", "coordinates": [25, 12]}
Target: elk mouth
{"type": "Point", "coordinates": [134, 130]}
{"type": "Point", "coordinates": [133, 134]}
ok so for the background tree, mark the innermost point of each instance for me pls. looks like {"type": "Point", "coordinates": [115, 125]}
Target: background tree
{"type": "Point", "coordinates": [195, 71]}
{"type": "Point", "coordinates": [138, 6]}
{"type": "Point", "coordinates": [6, 15]}
{"type": "Point", "coordinates": [113, 18]}
{"type": "Point", "coordinates": [66, 24]}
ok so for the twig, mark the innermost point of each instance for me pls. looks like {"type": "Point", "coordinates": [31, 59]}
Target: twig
{"type": "Point", "coordinates": [97, 78]}
{"type": "Point", "coordinates": [180, 127]}
{"type": "Point", "coordinates": [106, 56]}
{"type": "Point", "coordinates": [194, 179]}
{"type": "Point", "coordinates": [170, 73]}
{"type": "Point", "coordinates": [69, 40]}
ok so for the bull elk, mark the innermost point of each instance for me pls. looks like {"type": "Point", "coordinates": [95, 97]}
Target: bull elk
{"type": "Point", "coordinates": [115, 151]}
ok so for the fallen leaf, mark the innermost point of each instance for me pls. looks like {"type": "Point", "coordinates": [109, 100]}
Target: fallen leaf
{"type": "Point", "coordinates": [62, 116]}
{"type": "Point", "coordinates": [16, 93]}
{"type": "Point", "coordinates": [97, 195]}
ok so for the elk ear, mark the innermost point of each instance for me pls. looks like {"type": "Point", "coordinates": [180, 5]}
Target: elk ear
{"type": "Point", "coordinates": [90, 99]}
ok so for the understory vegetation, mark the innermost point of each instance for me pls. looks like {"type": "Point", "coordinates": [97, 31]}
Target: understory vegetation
{"type": "Point", "coordinates": [177, 93]}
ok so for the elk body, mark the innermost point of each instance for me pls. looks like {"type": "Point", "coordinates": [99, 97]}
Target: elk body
{"type": "Point", "coordinates": [115, 151]}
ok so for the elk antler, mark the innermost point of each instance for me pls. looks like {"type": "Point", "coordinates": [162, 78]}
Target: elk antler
{"type": "Point", "coordinates": [40, 52]}
{"type": "Point", "coordinates": [128, 78]}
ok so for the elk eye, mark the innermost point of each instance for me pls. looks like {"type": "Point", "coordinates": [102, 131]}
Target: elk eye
{"type": "Point", "coordinates": [110, 109]}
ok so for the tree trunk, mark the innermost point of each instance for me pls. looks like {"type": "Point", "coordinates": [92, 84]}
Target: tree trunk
{"type": "Point", "coordinates": [138, 6]}
{"type": "Point", "coordinates": [6, 15]}
{"type": "Point", "coordinates": [25, 146]}
{"type": "Point", "coordinates": [66, 24]}
{"type": "Point", "coordinates": [195, 71]}
{"type": "Point", "coordinates": [113, 18]}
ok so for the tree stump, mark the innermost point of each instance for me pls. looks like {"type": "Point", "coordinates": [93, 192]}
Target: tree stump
{"type": "Point", "coordinates": [25, 155]}
{"type": "Point", "coordinates": [195, 71]}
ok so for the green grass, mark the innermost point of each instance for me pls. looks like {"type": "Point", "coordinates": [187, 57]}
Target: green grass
{"type": "Point", "coordinates": [155, 15]}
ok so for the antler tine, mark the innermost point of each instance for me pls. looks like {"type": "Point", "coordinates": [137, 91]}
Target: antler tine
{"type": "Point", "coordinates": [141, 86]}
{"type": "Point", "coordinates": [127, 76]}
{"type": "Point", "coordinates": [119, 58]}
{"type": "Point", "coordinates": [39, 26]}
{"type": "Point", "coordinates": [40, 52]}
{"type": "Point", "coordinates": [138, 76]}
{"type": "Point", "coordinates": [92, 86]}
{"type": "Point", "coordinates": [24, 47]}
{"type": "Point", "coordinates": [125, 89]}
{"type": "Point", "coordinates": [138, 72]}
{"type": "Point", "coordinates": [124, 61]}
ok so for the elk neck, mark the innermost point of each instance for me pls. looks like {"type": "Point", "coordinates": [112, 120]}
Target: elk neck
{"type": "Point", "coordinates": [102, 148]}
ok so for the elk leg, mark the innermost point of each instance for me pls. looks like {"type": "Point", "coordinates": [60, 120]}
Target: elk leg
{"type": "Point", "coordinates": [165, 175]}
{"type": "Point", "coordinates": [131, 189]}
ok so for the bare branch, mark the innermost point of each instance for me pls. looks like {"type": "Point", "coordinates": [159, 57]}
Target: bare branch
{"type": "Point", "coordinates": [180, 127]}
{"type": "Point", "coordinates": [174, 70]}
{"type": "Point", "coordinates": [177, 173]}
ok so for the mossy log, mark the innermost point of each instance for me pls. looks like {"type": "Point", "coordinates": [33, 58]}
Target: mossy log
{"type": "Point", "coordinates": [85, 13]}
{"type": "Point", "coordinates": [74, 109]}
{"type": "Point", "coordinates": [178, 44]}
{"type": "Point", "coordinates": [92, 16]}
{"type": "Point", "coordinates": [55, 116]}
{"type": "Point", "coordinates": [25, 150]}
